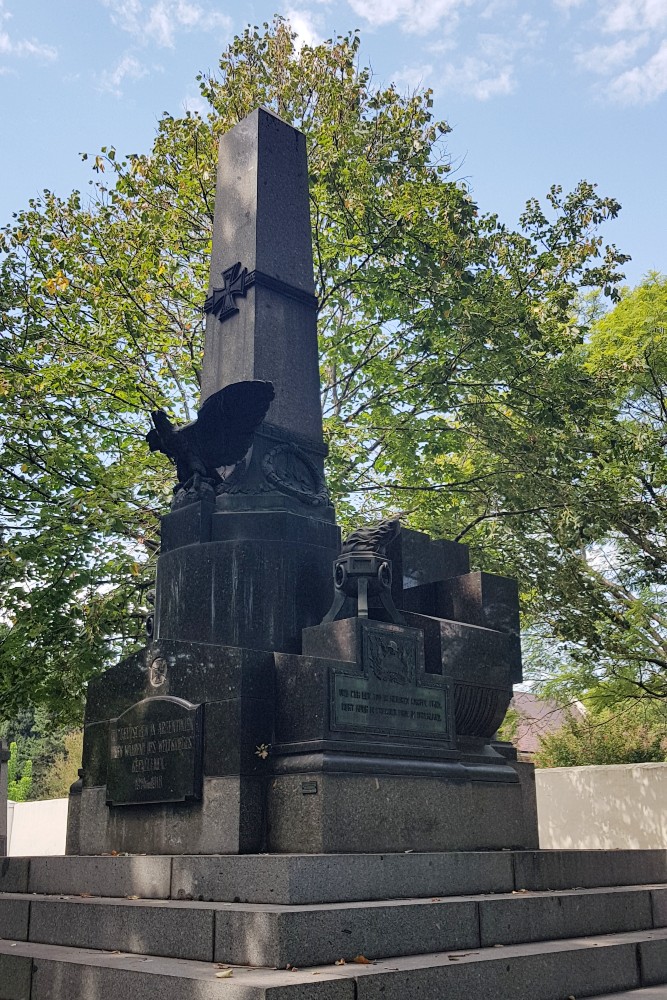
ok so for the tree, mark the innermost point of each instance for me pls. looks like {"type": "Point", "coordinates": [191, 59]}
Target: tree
{"type": "Point", "coordinates": [18, 785]}
{"type": "Point", "coordinates": [48, 749]}
{"type": "Point", "coordinates": [634, 735]}
{"type": "Point", "coordinates": [447, 341]}
{"type": "Point", "coordinates": [63, 771]}
{"type": "Point", "coordinates": [599, 558]}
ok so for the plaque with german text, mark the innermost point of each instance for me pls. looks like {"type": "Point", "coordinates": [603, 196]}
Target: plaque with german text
{"type": "Point", "coordinates": [155, 753]}
{"type": "Point", "coordinates": [392, 696]}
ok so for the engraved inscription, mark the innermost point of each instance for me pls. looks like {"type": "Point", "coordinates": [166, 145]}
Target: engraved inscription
{"type": "Point", "coordinates": [361, 703]}
{"type": "Point", "coordinates": [155, 753]}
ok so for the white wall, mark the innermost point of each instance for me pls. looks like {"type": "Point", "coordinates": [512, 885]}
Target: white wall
{"type": "Point", "coordinates": [37, 828]}
{"type": "Point", "coordinates": [610, 806]}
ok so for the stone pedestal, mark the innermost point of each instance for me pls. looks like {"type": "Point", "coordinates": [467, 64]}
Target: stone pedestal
{"type": "Point", "coordinates": [172, 753]}
{"type": "Point", "coordinates": [271, 732]}
{"type": "Point", "coordinates": [252, 579]}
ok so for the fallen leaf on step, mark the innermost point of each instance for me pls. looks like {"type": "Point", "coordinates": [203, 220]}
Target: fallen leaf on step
{"type": "Point", "coordinates": [339, 961]}
{"type": "Point", "coordinates": [362, 960]}
{"type": "Point", "coordinates": [86, 895]}
{"type": "Point", "coordinates": [225, 974]}
{"type": "Point", "coordinates": [222, 965]}
{"type": "Point", "coordinates": [317, 973]}
{"type": "Point", "coordinates": [435, 899]}
{"type": "Point", "coordinates": [132, 897]}
{"type": "Point", "coordinates": [116, 953]}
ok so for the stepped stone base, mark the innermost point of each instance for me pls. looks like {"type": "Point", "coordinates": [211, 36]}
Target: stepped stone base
{"type": "Point", "coordinates": [504, 925]}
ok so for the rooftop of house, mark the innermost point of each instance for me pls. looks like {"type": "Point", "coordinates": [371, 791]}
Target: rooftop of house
{"type": "Point", "coordinates": [538, 717]}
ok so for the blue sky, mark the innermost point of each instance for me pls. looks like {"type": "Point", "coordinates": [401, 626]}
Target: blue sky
{"type": "Point", "coordinates": [536, 91]}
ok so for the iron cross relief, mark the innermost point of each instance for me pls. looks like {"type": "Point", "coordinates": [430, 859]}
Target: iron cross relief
{"type": "Point", "coordinates": [222, 301]}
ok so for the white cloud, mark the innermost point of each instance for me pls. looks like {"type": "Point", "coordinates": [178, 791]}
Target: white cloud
{"type": "Point", "coordinates": [479, 78]}
{"type": "Point", "coordinates": [568, 4]}
{"type": "Point", "coordinates": [413, 77]}
{"type": "Point", "coordinates": [127, 68]}
{"type": "Point", "coordinates": [159, 22]}
{"type": "Point", "coordinates": [196, 105]}
{"type": "Point", "coordinates": [606, 59]}
{"type": "Point", "coordinates": [418, 16]}
{"type": "Point", "coordinates": [637, 24]}
{"type": "Point", "coordinates": [633, 15]}
{"type": "Point", "coordinates": [25, 47]}
{"type": "Point", "coordinates": [642, 84]}
{"type": "Point", "coordinates": [306, 25]}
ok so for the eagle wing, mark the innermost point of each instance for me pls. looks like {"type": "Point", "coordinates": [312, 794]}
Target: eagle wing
{"type": "Point", "coordinates": [226, 423]}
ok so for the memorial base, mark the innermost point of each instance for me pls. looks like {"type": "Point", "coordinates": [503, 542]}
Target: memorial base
{"type": "Point", "coordinates": [334, 812]}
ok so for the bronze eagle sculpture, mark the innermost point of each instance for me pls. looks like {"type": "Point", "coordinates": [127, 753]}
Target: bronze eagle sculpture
{"type": "Point", "coordinates": [221, 435]}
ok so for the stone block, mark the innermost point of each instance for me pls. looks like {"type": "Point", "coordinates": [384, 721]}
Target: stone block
{"type": "Point", "coordinates": [526, 775]}
{"type": "Point", "coordinates": [653, 961]}
{"type": "Point", "coordinates": [659, 904]}
{"type": "Point", "coordinates": [479, 599]}
{"type": "Point", "coordinates": [227, 820]}
{"type": "Point", "coordinates": [516, 919]}
{"type": "Point", "coordinates": [171, 929]}
{"type": "Point", "coordinates": [15, 977]}
{"type": "Point", "coordinates": [588, 869]}
{"type": "Point", "coordinates": [14, 918]}
{"type": "Point", "coordinates": [419, 559]}
{"type": "Point", "coordinates": [67, 978]}
{"type": "Point", "coordinates": [552, 973]}
{"type": "Point", "coordinates": [253, 593]}
{"type": "Point", "coordinates": [305, 879]}
{"type": "Point", "coordinates": [144, 876]}
{"type": "Point", "coordinates": [194, 671]}
{"type": "Point", "coordinates": [14, 874]}
{"type": "Point", "coordinates": [187, 526]}
{"type": "Point", "coordinates": [323, 935]}
{"type": "Point", "coordinates": [351, 812]}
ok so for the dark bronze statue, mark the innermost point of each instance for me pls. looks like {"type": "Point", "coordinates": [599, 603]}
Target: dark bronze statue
{"type": "Point", "coordinates": [220, 436]}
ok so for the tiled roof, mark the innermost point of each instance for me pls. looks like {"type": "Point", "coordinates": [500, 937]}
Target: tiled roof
{"type": "Point", "coordinates": [537, 717]}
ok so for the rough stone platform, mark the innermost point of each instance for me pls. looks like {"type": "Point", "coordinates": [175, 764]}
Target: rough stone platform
{"type": "Point", "coordinates": [522, 925]}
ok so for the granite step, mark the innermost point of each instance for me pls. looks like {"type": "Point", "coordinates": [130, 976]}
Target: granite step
{"type": "Point", "coordinates": [275, 935]}
{"type": "Point", "coordinates": [650, 993]}
{"type": "Point", "coordinates": [308, 879]}
{"type": "Point", "coordinates": [576, 967]}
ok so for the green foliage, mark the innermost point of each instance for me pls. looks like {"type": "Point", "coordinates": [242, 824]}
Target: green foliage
{"type": "Point", "coordinates": [455, 382]}
{"type": "Point", "coordinates": [19, 784]}
{"type": "Point", "coordinates": [63, 771]}
{"type": "Point", "coordinates": [633, 735]}
{"type": "Point", "coordinates": [508, 729]}
{"type": "Point", "coordinates": [47, 748]}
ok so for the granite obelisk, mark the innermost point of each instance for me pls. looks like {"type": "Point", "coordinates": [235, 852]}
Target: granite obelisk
{"type": "Point", "coordinates": [262, 310]}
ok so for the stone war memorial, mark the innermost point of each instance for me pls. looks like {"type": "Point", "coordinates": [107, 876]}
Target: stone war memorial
{"type": "Point", "coordinates": [295, 789]}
